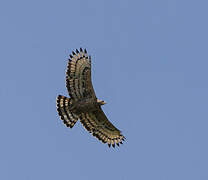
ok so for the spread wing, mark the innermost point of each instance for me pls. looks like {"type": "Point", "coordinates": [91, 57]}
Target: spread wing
{"type": "Point", "coordinates": [97, 123]}
{"type": "Point", "coordinates": [78, 76]}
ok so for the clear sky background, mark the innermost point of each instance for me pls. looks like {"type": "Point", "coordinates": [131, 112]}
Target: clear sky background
{"type": "Point", "coordinates": [150, 62]}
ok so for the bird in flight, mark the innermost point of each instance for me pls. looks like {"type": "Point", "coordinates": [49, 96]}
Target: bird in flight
{"type": "Point", "coordinates": [83, 103]}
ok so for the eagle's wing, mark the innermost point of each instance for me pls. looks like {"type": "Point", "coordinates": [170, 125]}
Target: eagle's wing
{"type": "Point", "coordinates": [78, 76]}
{"type": "Point", "coordinates": [98, 124]}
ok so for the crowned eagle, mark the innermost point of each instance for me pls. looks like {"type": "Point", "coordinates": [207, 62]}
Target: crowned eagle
{"type": "Point", "coordinates": [83, 103]}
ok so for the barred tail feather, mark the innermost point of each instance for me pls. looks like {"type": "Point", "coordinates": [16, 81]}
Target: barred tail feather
{"type": "Point", "coordinates": [63, 108]}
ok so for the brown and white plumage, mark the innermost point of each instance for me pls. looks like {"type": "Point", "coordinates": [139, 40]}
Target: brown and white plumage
{"type": "Point", "coordinates": [83, 103]}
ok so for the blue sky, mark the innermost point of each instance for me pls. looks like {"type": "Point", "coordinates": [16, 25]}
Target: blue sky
{"type": "Point", "coordinates": [150, 64]}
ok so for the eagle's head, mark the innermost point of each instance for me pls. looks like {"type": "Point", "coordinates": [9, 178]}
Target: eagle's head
{"type": "Point", "coordinates": [101, 102]}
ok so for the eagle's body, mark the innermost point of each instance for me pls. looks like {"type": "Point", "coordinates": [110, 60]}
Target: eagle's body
{"type": "Point", "coordinates": [83, 103]}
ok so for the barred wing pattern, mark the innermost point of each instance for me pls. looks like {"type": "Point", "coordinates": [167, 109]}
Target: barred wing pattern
{"type": "Point", "coordinates": [97, 123]}
{"type": "Point", "coordinates": [78, 76]}
{"type": "Point", "coordinates": [79, 85]}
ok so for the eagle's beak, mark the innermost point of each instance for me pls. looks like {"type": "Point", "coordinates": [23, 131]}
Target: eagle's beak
{"type": "Point", "coordinates": [103, 102]}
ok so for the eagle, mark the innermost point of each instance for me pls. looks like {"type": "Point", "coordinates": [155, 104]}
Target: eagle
{"type": "Point", "coordinates": [83, 104]}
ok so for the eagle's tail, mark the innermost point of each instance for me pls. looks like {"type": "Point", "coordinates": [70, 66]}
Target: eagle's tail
{"type": "Point", "coordinates": [63, 108]}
